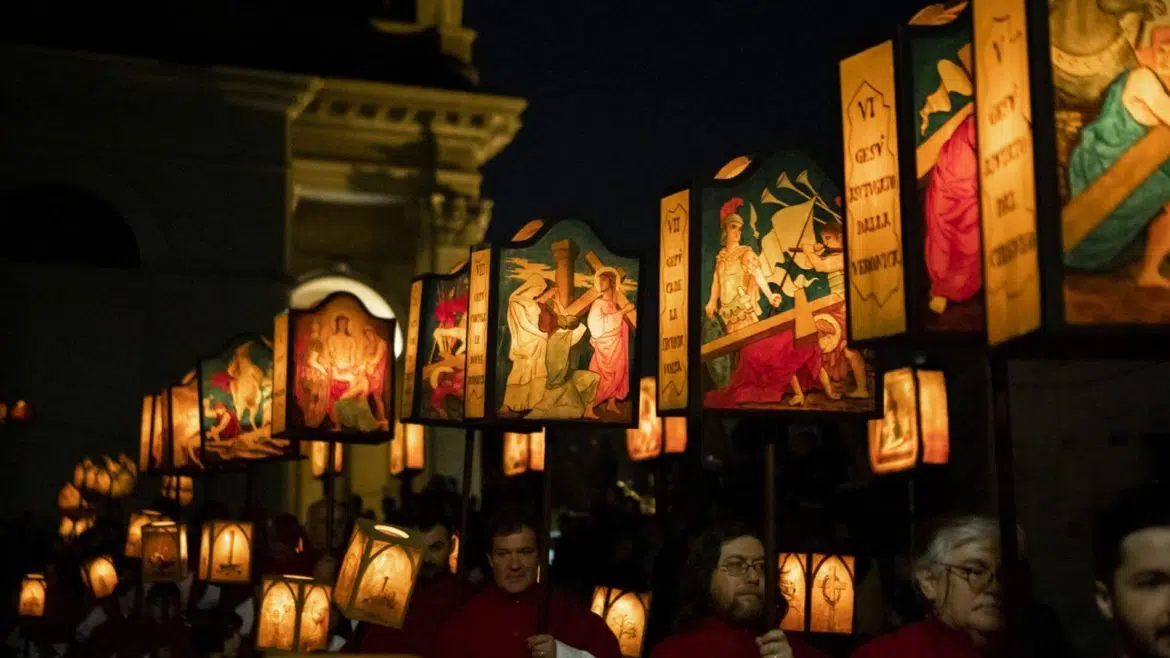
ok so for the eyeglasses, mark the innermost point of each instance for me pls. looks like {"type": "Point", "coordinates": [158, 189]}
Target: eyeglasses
{"type": "Point", "coordinates": [978, 577]}
{"type": "Point", "coordinates": [737, 569]}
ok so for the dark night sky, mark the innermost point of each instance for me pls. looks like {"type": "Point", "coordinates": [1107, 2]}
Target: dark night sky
{"type": "Point", "coordinates": [628, 98]}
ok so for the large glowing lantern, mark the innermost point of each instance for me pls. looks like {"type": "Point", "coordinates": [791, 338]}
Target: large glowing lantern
{"type": "Point", "coordinates": [319, 455]}
{"type": "Point", "coordinates": [32, 595]}
{"type": "Point", "coordinates": [407, 448]}
{"type": "Point", "coordinates": [523, 452]}
{"type": "Point", "coordinates": [914, 427]}
{"type": "Point", "coordinates": [654, 435]}
{"type": "Point", "coordinates": [535, 300]}
{"type": "Point", "coordinates": [100, 576]}
{"type": "Point", "coordinates": [225, 552]}
{"type": "Point", "coordinates": [625, 613]}
{"type": "Point", "coordinates": [436, 348]}
{"type": "Point", "coordinates": [164, 552]}
{"type": "Point", "coordinates": [332, 373]}
{"type": "Point", "coordinates": [179, 488]}
{"type": "Point", "coordinates": [139, 520]}
{"type": "Point", "coordinates": [294, 614]}
{"type": "Point", "coordinates": [819, 591]}
{"type": "Point", "coordinates": [378, 573]}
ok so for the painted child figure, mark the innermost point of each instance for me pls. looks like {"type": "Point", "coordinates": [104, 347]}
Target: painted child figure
{"type": "Point", "coordinates": [827, 256]}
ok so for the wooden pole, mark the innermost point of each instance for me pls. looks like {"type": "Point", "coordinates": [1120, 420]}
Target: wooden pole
{"type": "Point", "coordinates": [1014, 594]}
{"type": "Point", "coordinates": [465, 511]}
{"type": "Point", "coordinates": [546, 548]}
{"type": "Point", "coordinates": [771, 565]}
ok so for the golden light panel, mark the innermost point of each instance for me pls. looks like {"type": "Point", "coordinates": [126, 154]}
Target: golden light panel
{"type": "Point", "coordinates": [378, 574]}
{"type": "Point", "coordinates": [654, 435]}
{"type": "Point", "coordinates": [294, 614]}
{"type": "Point", "coordinates": [674, 237]}
{"type": "Point", "coordinates": [453, 560]}
{"type": "Point", "coordinates": [145, 433]}
{"type": "Point", "coordinates": [122, 479]}
{"type": "Point", "coordinates": [319, 454]}
{"type": "Point", "coordinates": [914, 426]}
{"type": "Point", "coordinates": [831, 594]}
{"type": "Point", "coordinates": [792, 579]}
{"type": "Point", "coordinates": [32, 595]}
{"type": "Point", "coordinates": [164, 552]}
{"type": "Point", "coordinates": [139, 520]}
{"type": "Point", "coordinates": [225, 552]}
{"type": "Point", "coordinates": [179, 488]}
{"type": "Point", "coordinates": [625, 613]}
{"type": "Point", "coordinates": [407, 448]}
{"type": "Point", "coordinates": [71, 529]}
{"type": "Point", "coordinates": [100, 576]}
{"type": "Point", "coordinates": [69, 499]}
{"type": "Point", "coordinates": [523, 452]}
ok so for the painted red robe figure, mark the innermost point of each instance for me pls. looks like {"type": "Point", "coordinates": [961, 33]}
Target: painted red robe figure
{"type": "Point", "coordinates": [501, 622]}
{"type": "Point", "coordinates": [952, 221]}
{"type": "Point", "coordinates": [437, 597]}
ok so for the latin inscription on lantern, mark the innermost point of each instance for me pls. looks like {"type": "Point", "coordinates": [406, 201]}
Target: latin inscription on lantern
{"type": "Point", "coordinates": [477, 323]}
{"type": "Point", "coordinates": [1006, 178]}
{"type": "Point", "coordinates": [877, 300]}
{"type": "Point", "coordinates": [408, 371]}
{"type": "Point", "coordinates": [673, 245]}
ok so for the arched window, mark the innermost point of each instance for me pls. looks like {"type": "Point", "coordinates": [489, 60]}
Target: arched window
{"type": "Point", "coordinates": [313, 290]}
{"type": "Point", "coordinates": [55, 224]}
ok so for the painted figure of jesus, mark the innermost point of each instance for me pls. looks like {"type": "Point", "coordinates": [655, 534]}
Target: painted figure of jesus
{"type": "Point", "coordinates": [610, 338]}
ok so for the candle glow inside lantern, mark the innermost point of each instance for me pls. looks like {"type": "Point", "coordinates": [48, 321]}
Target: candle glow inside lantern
{"type": "Point", "coordinates": [164, 552]}
{"type": "Point", "coordinates": [179, 488]}
{"type": "Point", "coordinates": [225, 552]}
{"type": "Point", "coordinates": [819, 589]}
{"type": "Point", "coordinates": [183, 451]}
{"type": "Point", "coordinates": [625, 613]}
{"type": "Point", "coordinates": [523, 452]}
{"type": "Point", "coordinates": [793, 583]}
{"type": "Point", "coordinates": [407, 448]}
{"type": "Point", "coordinates": [655, 435]}
{"type": "Point", "coordinates": [294, 614]}
{"type": "Point", "coordinates": [145, 433]}
{"type": "Point", "coordinates": [914, 427]}
{"type": "Point", "coordinates": [319, 454]}
{"type": "Point", "coordinates": [69, 500]}
{"type": "Point", "coordinates": [139, 520]}
{"type": "Point", "coordinates": [378, 574]}
{"type": "Point", "coordinates": [100, 576]}
{"type": "Point", "coordinates": [32, 595]}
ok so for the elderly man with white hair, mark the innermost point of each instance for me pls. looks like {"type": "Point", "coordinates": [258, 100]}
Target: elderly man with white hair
{"type": "Point", "coordinates": [958, 575]}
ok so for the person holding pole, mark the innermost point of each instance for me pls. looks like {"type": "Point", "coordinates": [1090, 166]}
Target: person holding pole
{"type": "Point", "coordinates": [722, 602]}
{"type": "Point", "coordinates": [505, 621]}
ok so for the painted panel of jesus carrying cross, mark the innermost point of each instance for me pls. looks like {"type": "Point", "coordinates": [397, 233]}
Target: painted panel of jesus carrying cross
{"type": "Point", "coordinates": [566, 329]}
{"type": "Point", "coordinates": [772, 293]}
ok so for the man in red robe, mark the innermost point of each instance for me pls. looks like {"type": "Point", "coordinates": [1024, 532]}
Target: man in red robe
{"type": "Point", "coordinates": [502, 622]}
{"type": "Point", "coordinates": [437, 596]}
{"type": "Point", "coordinates": [722, 612]}
{"type": "Point", "coordinates": [958, 575]}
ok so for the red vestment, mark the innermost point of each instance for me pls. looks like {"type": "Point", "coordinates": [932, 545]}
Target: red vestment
{"type": "Point", "coordinates": [925, 639]}
{"type": "Point", "coordinates": [496, 624]}
{"type": "Point", "coordinates": [952, 218]}
{"type": "Point", "coordinates": [764, 370]}
{"type": "Point", "coordinates": [719, 640]}
{"type": "Point", "coordinates": [431, 605]}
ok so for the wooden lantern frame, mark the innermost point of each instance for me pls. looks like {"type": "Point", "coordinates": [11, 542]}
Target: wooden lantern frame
{"type": "Point", "coordinates": [604, 603]}
{"type": "Point", "coordinates": [302, 590]}
{"type": "Point", "coordinates": [209, 569]}
{"type": "Point", "coordinates": [284, 378]}
{"type": "Point", "coordinates": [490, 255]}
{"type": "Point", "coordinates": [370, 541]}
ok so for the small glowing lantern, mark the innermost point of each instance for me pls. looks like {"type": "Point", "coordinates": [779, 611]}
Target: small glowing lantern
{"type": "Point", "coordinates": [793, 582]}
{"type": "Point", "coordinates": [145, 433]}
{"type": "Point", "coordinates": [20, 412]}
{"type": "Point", "coordinates": [914, 426]}
{"type": "Point", "coordinates": [32, 595]}
{"type": "Point", "coordinates": [453, 561]}
{"type": "Point", "coordinates": [225, 552]}
{"type": "Point", "coordinates": [294, 614]}
{"type": "Point", "coordinates": [319, 454]}
{"type": "Point", "coordinates": [139, 520]}
{"type": "Point", "coordinates": [523, 452]}
{"type": "Point", "coordinates": [625, 613]}
{"type": "Point", "coordinates": [407, 448]}
{"type": "Point", "coordinates": [819, 591]}
{"type": "Point", "coordinates": [79, 473]}
{"type": "Point", "coordinates": [100, 576]}
{"type": "Point", "coordinates": [164, 552]}
{"type": "Point", "coordinates": [179, 488]}
{"type": "Point", "coordinates": [378, 573]}
{"type": "Point", "coordinates": [71, 529]}
{"type": "Point", "coordinates": [183, 449]}
{"type": "Point", "coordinates": [654, 434]}
{"type": "Point", "coordinates": [121, 479]}
{"type": "Point", "coordinates": [332, 367]}
{"type": "Point", "coordinates": [3, 412]}
{"type": "Point", "coordinates": [69, 499]}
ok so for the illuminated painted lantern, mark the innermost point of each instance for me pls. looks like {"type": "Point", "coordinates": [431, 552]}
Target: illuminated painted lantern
{"type": "Point", "coordinates": [225, 552]}
{"type": "Point", "coordinates": [183, 447]}
{"type": "Point", "coordinates": [819, 590]}
{"type": "Point", "coordinates": [436, 348]}
{"type": "Point", "coordinates": [759, 248]}
{"type": "Point", "coordinates": [294, 614]}
{"type": "Point", "coordinates": [655, 435]}
{"type": "Point", "coordinates": [319, 454]}
{"type": "Point", "coordinates": [533, 301]}
{"type": "Point", "coordinates": [407, 448]}
{"type": "Point", "coordinates": [235, 389]}
{"type": "Point", "coordinates": [625, 613]}
{"type": "Point", "coordinates": [523, 452]}
{"type": "Point", "coordinates": [332, 373]}
{"type": "Point", "coordinates": [378, 574]}
{"type": "Point", "coordinates": [139, 520]}
{"type": "Point", "coordinates": [100, 576]}
{"type": "Point", "coordinates": [914, 427]}
{"type": "Point", "coordinates": [164, 552]}
{"type": "Point", "coordinates": [179, 488]}
{"type": "Point", "coordinates": [70, 501]}
{"type": "Point", "coordinates": [32, 595]}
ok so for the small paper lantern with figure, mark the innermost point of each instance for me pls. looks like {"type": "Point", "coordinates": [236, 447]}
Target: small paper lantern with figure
{"type": "Point", "coordinates": [164, 552]}
{"type": "Point", "coordinates": [225, 552]}
{"type": "Point", "coordinates": [139, 520]}
{"type": "Point", "coordinates": [523, 452]}
{"type": "Point", "coordinates": [436, 348]}
{"type": "Point", "coordinates": [914, 428]}
{"type": "Point", "coordinates": [179, 488]}
{"type": "Point", "coordinates": [626, 614]}
{"type": "Point", "coordinates": [294, 614]}
{"type": "Point", "coordinates": [378, 574]}
{"type": "Point", "coordinates": [100, 576]}
{"type": "Point", "coordinates": [319, 455]}
{"type": "Point", "coordinates": [32, 595]}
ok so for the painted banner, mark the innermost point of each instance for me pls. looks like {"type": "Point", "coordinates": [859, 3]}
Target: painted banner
{"type": "Point", "coordinates": [674, 258]}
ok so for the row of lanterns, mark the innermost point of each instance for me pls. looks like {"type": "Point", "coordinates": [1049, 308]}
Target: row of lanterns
{"type": "Point", "coordinates": [19, 412]}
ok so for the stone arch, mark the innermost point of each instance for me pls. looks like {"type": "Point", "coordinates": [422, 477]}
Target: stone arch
{"type": "Point", "coordinates": [62, 224]}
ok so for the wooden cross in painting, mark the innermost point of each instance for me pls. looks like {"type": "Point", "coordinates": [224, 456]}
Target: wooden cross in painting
{"type": "Point", "coordinates": [565, 253]}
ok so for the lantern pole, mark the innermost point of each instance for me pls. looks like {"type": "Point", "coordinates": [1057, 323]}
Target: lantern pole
{"type": "Point", "coordinates": [465, 512]}
{"type": "Point", "coordinates": [328, 480]}
{"type": "Point", "coordinates": [1012, 567]}
{"type": "Point", "coordinates": [546, 549]}
{"type": "Point", "coordinates": [770, 555]}
{"type": "Point", "coordinates": [249, 487]}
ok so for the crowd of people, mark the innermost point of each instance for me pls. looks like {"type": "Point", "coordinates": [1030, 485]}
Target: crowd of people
{"type": "Point", "coordinates": [499, 606]}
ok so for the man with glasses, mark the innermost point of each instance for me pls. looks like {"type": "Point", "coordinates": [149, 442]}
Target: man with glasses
{"type": "Point", "coordinates": [958, 576]}
{"type": "Point", "coordinates": [721, 610]}
{"type": "Point", "coordinates": [501, 622]}
{"type": "Point", "coordinates": [1132, 547]}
